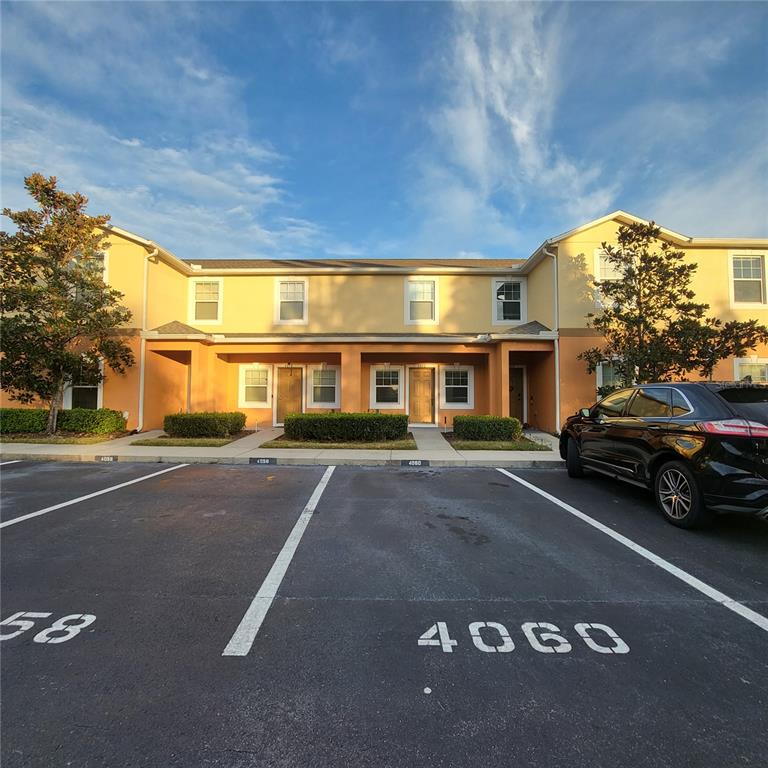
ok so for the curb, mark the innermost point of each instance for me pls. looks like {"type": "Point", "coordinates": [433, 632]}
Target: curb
{"type": "Point", "coordinates": [287, 461]}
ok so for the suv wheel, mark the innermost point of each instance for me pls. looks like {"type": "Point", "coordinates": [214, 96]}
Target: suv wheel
{"type": "Point", "coordinates": [678, 496]}
{"type": "Point", "coordinates": [573, 459]}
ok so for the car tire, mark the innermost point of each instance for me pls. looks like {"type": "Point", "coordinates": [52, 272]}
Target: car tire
{"type": "Point", "coordinates": [573, 459]}
{"type": "Point", "coordinates": [679, 497]}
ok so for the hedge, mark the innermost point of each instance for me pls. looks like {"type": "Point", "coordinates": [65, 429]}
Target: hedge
{"type": "Point", "coordinates": [487, 428]}
{"type": "Point", "coordinates": [346, 427]}
{"type": "Point", "coordinates": [213, 424]}
{"type": "Point", "coordinates": [22, 420]}
{"type": "Point", "coordinates": [88, 420]}
{"type": "Point", "coordinates": [101, 421]}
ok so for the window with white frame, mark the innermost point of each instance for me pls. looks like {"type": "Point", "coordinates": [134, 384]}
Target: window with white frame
{"type": "Point", "coordinates": [323, 387]}
{"type": "Point", "coordinates": [508, 298]}
{"type": "Point", "coordinates": [291, 301]}
{"type": "Point", "coordinates": [205, 301]}
{"type": "Point", "coordinates": [386, 387]}
{"type": "Point", "coordinates": [255, 386]}
{"type": "Point", "coordinates": [748, 274]}
{"type": "Point", "coordinates": [605, 271]}
{"type": "Point", "coordinates": [421, 301]}
{"type": "Point", "coordinates": [607, 375]}
{"type": "Point", "coordinates": [756, 369]}
{"type": "Point", "coordinates": [457, 387]}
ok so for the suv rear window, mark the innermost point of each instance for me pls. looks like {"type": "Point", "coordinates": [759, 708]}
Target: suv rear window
{"type": "Point", "coordinates": [749, 402]}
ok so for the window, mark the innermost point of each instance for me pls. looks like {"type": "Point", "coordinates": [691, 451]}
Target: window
{"type": "Point", "coordinates": [205, 301]}
{"type": "Point", "coordinates": [386, 387]}
{"type": "Point", "coordinates": [80, 394]}
{"type": "Point", "coordinates": [680, 404]}
{"type": "Point", "coordinates": [607, 375]}
{"type": "Point", "coordinates": [651, 402]}
{"type": "Point", "coordinates": [604, 271]}
{"type": "Point", "coordinates": [748, 273]}
{"type": "Point", "coordinates": [255, 386]}
{"type": "Point", "coordinates": [509, 301]}
{"type": "Point", "coordinates": [323, 387]}
{"type": "Point", "coordinates": [291, 302]}
{"type": "Point", "coordinates": [756, 369]}
{"type": "Point", "coordinates": [421, 302]}
{"type": "Point", "coordinates": [457, 387]}
{"type": "Point", "coordinates": [613, 405]}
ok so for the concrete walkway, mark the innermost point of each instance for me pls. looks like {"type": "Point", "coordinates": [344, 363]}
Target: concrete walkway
{"type": "Point", "coordinates": [432, 449]}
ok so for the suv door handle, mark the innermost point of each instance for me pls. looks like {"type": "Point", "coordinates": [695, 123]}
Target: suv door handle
{"type": "Point", "coordinates": [654, 426]}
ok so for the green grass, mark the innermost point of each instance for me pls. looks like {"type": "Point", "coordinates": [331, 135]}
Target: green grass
{"type": "Point", "coordinates": [190, 442]}
{"type": "Point", "coordinates": [408, 444]}
{"type": "Point", "coordinates": [523, 444]}
{"type": "Point", "coordinates": [59, 438]}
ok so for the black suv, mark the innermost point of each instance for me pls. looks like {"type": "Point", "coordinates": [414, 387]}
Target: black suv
{"type": "Point", "coordinates": [701, 447]}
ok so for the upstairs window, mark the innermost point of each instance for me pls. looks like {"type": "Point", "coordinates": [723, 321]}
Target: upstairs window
{"type": "Point", "coordinates": [509, 300]}
{"type": "Point", "coordinates": [291, 302]}
{"type": "Point", "coordinates": [748, 273]}
{"type": "Point", "coordinates": [206, 301]}
{"type": "Point", "coordinates": [421, 302]}
{"type": "Point", "coordinates": [605, 272]}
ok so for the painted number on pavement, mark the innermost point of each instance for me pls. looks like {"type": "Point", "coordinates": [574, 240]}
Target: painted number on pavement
{"type": "Point", "coordinates": [492, 637]}
{"type": "Point", "coordinates": [59, 631]}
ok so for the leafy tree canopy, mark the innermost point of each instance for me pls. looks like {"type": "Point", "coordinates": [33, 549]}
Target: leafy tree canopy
{"type": "Point", "coordinates": [60, 321]}
{"type": "Point", "coordinates": [653, 327]}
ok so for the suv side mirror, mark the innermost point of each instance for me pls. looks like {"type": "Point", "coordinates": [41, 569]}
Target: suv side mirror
{"type": "Point", "coordinates": [585, 412]}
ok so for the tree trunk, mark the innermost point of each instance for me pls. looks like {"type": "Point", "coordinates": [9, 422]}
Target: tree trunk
{"type": "Point", "coordinates": [53, 413]}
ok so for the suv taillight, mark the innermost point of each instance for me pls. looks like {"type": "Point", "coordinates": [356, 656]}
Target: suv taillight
{"type": "Point", "coordinates": [735, 428]}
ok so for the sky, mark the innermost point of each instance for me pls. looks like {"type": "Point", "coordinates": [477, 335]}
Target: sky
{"type": "Point", "coordinates": [389, 130]}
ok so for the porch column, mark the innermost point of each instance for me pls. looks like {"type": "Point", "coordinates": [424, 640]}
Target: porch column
{"type": "Point", "coordinates": [493, 382]}
{"type": "Point", "coordinates": [504, 377]}
{"type": "Point", "coordinates": [350, 380]}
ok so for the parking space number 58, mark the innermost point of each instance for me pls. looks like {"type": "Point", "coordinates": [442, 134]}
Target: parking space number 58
{"type": "Point", "coordinates": [60, 631]}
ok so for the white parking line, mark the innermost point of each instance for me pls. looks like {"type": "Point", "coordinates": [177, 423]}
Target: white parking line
{"type": "Point", "coordinates": [242, 641]}
{"type": "Point", "coordinates": [733, 605]}
{"type": "Point", "coordinates": [88, 496]}
{"type": "Point", "coordinates": [5, 463]}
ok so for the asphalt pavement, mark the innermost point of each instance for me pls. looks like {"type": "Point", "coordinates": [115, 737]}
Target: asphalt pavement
{"type": "Point", "coordinates": [405, 617]}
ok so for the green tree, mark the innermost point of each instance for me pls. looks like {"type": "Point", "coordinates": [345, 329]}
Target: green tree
{"type": "Point", "coordinates": [60, 321]}
{"type": "Point", "coordinates": [652, 326]}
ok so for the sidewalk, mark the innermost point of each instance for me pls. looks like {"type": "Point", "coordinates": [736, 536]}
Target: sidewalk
{"type": "Point", "coordinates": [432, 449]}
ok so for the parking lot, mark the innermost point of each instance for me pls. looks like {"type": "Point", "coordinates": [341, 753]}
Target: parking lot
{"type": "Point", "coordinates": [215, 615]}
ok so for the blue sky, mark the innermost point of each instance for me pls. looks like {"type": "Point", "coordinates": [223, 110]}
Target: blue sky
{"type": "Point", "coordinates": [236, 130]}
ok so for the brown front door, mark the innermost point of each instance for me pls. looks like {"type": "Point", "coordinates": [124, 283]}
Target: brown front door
{"type": "Point", "coordinates": [289, 384]}
{"type": "Point", "coordinates": [516, 392]}
{"type": "Point", "coordinates": [421, 396]}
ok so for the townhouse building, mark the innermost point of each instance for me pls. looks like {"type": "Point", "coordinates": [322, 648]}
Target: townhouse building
{"type": "Point", "coordinates": [431, 338]}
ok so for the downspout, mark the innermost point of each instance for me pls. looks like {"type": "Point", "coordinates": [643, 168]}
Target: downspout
{"type": "Point", "coordinates": [556, 287]}
{"type": "Point", "coordinates": [143, 345]}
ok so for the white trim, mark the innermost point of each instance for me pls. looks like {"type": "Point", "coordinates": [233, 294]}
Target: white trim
{"type": "Point", "coordinates": [310, 399]}
{"type": "Point", "coordinates": [278, 281]}
{"type": "Point", "coordinates": [400, 389]}
{"type": "Point", "coordinates": [241, 401]}
{"type": "Point", "coordinates": [525, 392]}
{"type": "Point", "coordinates": [739, 361]}
{"type": "Point", "coordinates": [435, 391]}
{"type": "Point", "coordinates": [407, 299]}
{"type": "Point", "coordinates": [191, 300]}
{"type": "Point", "coordinates": [746, 304]}
{"type": "Point", "coordinates": [470, 404]}
{"type": "Point", "coordinates": [300, 367]}
{"type": "Point", "coordinates": [306, 337]}
{"type": "Point", "coordinates": [523, 299]}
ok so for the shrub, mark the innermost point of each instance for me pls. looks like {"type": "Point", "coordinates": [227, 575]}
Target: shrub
{"type": "Point", "coordinates": [346, 427]}
{"type": "Point", "coordinates": [487, 428]}
{"type": "Point", "coordinates": [101, 421]}
{"type": "Point", "coordinates": [213, 424]}
{"type": "Point", "coordinates": [22, 420]}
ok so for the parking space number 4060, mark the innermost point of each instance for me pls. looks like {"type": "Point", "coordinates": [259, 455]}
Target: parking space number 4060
{"type": "Point", "coordinates": [492, 637]}
{"type": "Point", "coordinates": [59, 631]}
